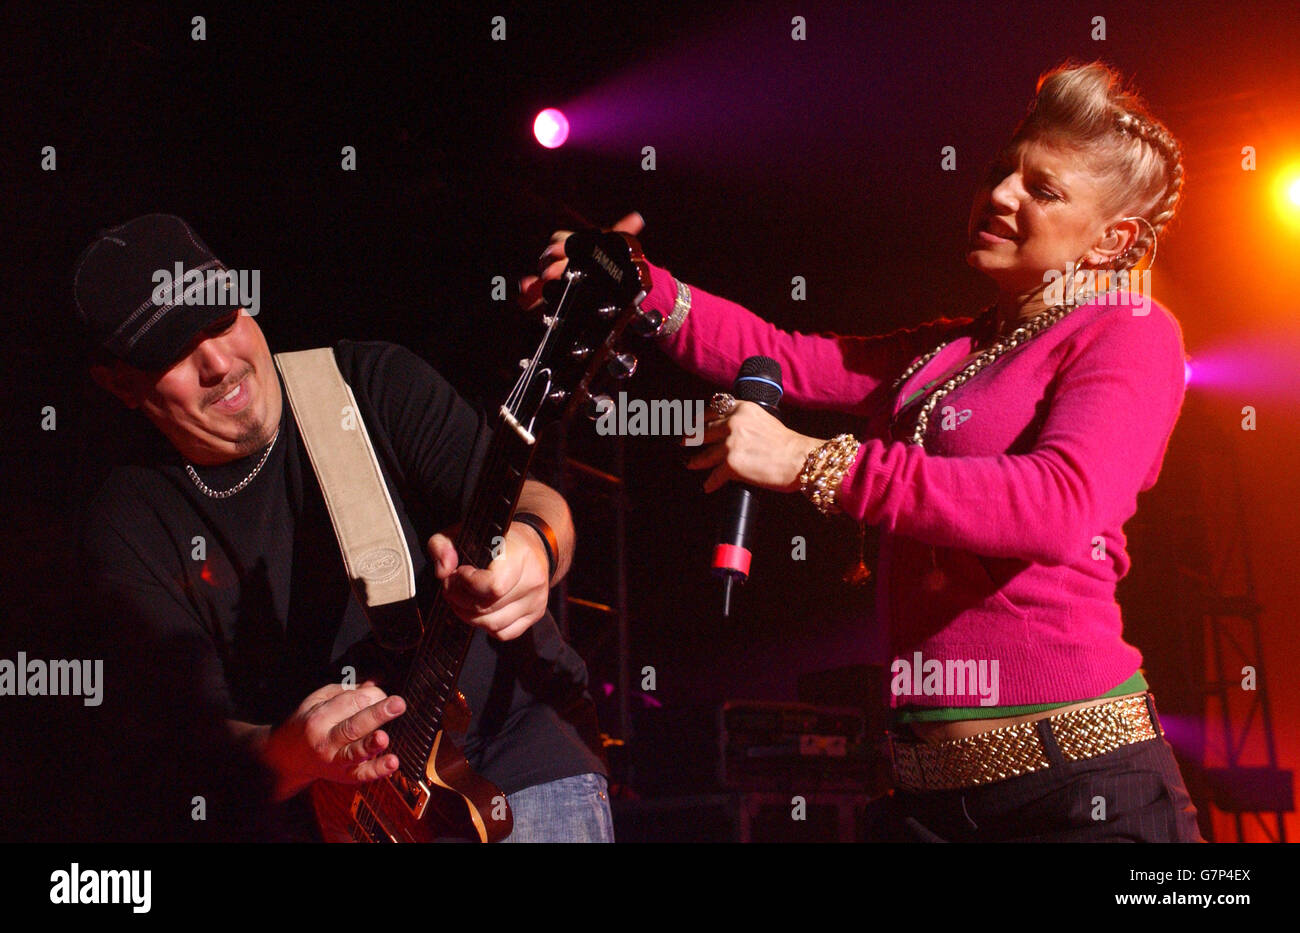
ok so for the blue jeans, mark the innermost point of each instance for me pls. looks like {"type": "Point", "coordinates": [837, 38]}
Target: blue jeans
{"type": "Point", "coordinates": [572, 809]}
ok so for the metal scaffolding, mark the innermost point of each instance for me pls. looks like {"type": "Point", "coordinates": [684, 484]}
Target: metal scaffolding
{"type": "Point", "coordinates": [598, 500]}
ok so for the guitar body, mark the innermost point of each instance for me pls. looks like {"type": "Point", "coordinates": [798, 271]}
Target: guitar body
{"type": "Point", "coordinates": [452, 804]}
{"type": "Point", "coordinates": [460, 806]}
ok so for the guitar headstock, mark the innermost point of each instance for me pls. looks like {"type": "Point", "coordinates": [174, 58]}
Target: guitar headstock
{"type": "Point", "coordinates": [591, 310]}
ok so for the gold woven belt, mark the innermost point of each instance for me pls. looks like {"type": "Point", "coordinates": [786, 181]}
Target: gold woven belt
{"type": "Point", "coordinates": [1011, 751]}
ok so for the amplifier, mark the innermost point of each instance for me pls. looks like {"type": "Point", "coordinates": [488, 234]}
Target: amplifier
{"type": "Point", "coordinates": [768, 744]}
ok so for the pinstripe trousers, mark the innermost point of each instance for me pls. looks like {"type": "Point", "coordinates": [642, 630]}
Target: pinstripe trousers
{"type": "Point", "coordinates": [1133, 794]}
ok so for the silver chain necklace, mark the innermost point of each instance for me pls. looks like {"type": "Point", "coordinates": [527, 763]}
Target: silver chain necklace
{"type": "Point", "coordinates": [226, 494]}
{"type": "Point", "coordinates": [1027, 331]}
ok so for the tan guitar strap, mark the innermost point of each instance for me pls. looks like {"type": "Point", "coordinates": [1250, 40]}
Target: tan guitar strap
{"type": "Point", "coordinates": [361, 510]}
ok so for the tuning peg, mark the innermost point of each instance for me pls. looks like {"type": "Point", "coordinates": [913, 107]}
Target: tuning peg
{"type": "Point", "coordinates": [621, 365]}
{"type": "Point", "coordinates": [557, 396]}
{"type": "Point", "coordinates": [580, 353]}
{"type": "Point", "coordinates": [607, 312]}
{"type": "Point", "coordinates": [647, 323]}
{"type": "Point", "coordinates": [597, 405]}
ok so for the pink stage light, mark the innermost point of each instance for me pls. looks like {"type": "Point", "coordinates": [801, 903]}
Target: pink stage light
{"type": "Point", "coordinates": [551, 128]}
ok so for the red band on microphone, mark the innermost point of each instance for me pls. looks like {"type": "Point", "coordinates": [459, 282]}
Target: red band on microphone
{"type": "Point", "coordinates": [731, 558]}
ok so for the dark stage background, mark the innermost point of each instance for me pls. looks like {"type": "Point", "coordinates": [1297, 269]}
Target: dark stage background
{"type": "Point", "coordinates": [775, 158]}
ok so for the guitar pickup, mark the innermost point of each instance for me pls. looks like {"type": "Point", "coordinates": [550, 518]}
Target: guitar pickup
{"type": "Point", "coordinates": [414, 794]}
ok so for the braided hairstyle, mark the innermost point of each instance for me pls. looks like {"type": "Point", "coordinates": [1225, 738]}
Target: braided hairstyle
{"type": "Point", "coordinates": [1137, 159]}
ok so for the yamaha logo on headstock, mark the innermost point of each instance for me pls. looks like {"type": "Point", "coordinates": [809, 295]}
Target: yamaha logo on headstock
{"type": "Point", "coordinates": [603, 260]}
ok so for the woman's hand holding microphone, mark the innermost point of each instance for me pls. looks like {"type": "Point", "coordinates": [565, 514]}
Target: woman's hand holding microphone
{"type": "Point", "coordinates": [750, 445]}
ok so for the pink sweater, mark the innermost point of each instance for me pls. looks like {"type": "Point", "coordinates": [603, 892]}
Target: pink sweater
{"type": "Point", "coordinates": [1022, 503]}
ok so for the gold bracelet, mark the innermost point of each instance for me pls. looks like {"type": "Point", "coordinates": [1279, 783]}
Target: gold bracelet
{"type": "Point", "coordinates": [824, 470]}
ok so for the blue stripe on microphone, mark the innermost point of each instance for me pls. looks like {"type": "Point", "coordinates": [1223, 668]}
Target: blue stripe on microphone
{"type": "Point", "coordinates": [775, 385]}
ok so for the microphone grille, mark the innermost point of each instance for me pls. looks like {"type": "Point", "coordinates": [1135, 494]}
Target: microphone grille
{"type": "Point", "coordinates": [759, 381]}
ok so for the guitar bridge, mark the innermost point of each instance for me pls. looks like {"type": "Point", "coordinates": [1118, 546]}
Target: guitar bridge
{"type": "Point", "coordinates": [366, 825]}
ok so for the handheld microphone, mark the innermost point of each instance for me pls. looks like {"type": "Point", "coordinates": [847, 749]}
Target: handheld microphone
{"type": "Point", "coordinates": [759, 381]}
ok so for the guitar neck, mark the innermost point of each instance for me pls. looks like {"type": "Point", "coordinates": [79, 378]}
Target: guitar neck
{"type": "Point", "coordinates": [607, 279]}
{"type": "Point", "coordinates": [435, 669]}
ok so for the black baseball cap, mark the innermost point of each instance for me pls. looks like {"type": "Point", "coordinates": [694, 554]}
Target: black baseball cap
{"type": "Point", "coordinates": [128, 296]}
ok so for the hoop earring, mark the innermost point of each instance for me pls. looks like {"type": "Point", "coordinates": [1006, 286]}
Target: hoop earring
{"type": "Point", "coordinates": [1076, 291]}
{"type": "Point", "coordinates": [1155, 241]}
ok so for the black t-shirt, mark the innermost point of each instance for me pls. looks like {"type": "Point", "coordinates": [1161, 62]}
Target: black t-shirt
{"type": "Point", "coordinates": [249, 596]}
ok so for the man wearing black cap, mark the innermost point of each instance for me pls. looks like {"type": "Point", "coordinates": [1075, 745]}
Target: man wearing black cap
{"type": "Point", "coordinates": [216, 551]}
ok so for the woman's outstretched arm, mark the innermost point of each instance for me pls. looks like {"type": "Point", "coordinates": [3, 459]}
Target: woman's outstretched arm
{"type": "Point", "coordinates": [830, 371]}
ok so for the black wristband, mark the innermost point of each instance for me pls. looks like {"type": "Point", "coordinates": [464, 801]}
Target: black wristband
{"type": "Point", "coordinates": [547, 534]}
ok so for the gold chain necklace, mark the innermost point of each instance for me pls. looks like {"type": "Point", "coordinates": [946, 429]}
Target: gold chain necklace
{"type": "Point", "coordinates": [1006, 343]}
{"type": "Point", "coordinates": [935, 579]}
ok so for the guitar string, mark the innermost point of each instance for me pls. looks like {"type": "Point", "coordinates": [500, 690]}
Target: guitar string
{"type": "Point", "coordinates": [516, 394]}
{"type": "Point", "coordinates": [496, 460]}
{"type": "Point", "coordinates": [369, 821]}
{"type": "Point", "coordinates": [406, 743]}
{"type": "Point", "coordinates": [479, 512]}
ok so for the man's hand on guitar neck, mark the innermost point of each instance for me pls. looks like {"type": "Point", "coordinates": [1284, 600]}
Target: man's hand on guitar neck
{"type": "Point", "coordinates": [334, 735]}
{"type": "Point", "coordinates": [507, 597]}
{"type": "Point", "coordinates": [511, 594]}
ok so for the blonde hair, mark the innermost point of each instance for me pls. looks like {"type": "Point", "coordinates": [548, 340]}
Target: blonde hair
{"type": "Point", "coordinates": [1137, 159]}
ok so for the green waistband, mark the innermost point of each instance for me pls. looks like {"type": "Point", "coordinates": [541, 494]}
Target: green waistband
{"type": "Point", "coordinates": [1135, 684]}
{"type": "Point", "coordinates": [919, 392]}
